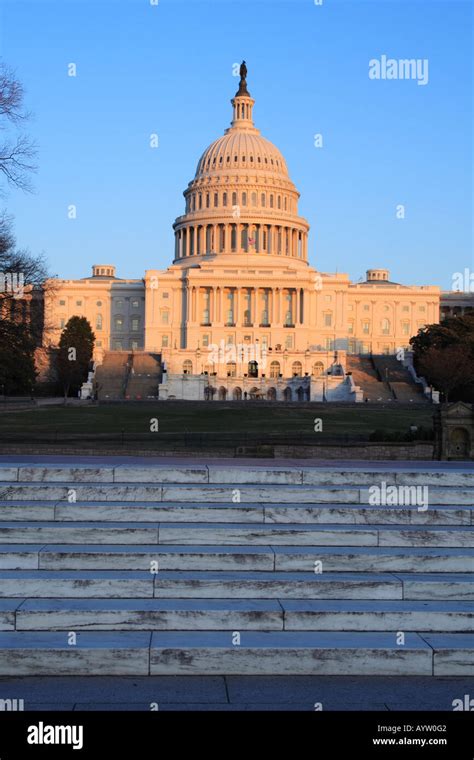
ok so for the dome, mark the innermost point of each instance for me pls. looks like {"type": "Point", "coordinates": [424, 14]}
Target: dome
{"type": "Point", "coordinates": [243, 150]}
{"type": "Point", "coordinates": [241, 199]}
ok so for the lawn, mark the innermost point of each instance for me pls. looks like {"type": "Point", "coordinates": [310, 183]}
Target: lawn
{"type": "Point", "coordinates": [214, 417]}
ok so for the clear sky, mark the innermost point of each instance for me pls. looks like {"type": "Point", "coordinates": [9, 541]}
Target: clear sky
{"type": "Point", "coordinates": [167, 69]}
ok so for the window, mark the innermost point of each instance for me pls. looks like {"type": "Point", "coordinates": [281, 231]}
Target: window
{"type": "Point", "coordinates": [318, 369]}
{"type": "Point", "coordinates": [296, 369]}
{"type": "Point", "coordinates": [62, 323]}
{"type": "Point", "coordinates": [385, 327]}
{"type": "Point", "coordinates": [279, 201]}
{"type": "Point", "coordinates": [117, 345]}
{"type": "Point", "coordinates": [216, 199]}
{"type": "Point", "coordinates": [366, 328]}
{"type": "Point", "coordinates": [62, 303]}
{"type": "Point", "coordinates": [205, 340]}
{"type": "Point", "coordinates": [262, 199]}
{"type": "Point", "coordinates": [405, 328]}
{"type": "Point", "coordinates": [254, 199]}
{"type": "Point", "coordinates": [165, 295]}
{"type": "Point", "coordinates": [134, 345]}
{"type": "Point", "coordinates": [164, 341]}
{"type": "Point", "coordinates": [98, 322]}
{"type": "Point", "coordinates": [207, 200]}
{"type": "Point", "coordinates": [188, 367]}
{"type": "Point", "coordinates": [99, 303]}
{"type": "Point", "coordinates": [274, 369]}
{"type": "Point", "coordinates": [119, 304]}
{"type": "Point", "coordinates": [421, 308]}
{"type": "Point", "coordinates": [224, 199]}
{"type": "Point", "coordinates": [200, 200]}
{"type": "Point", "coordinates": [328, 298]}
{"type": "Point", "coordinates": [165, 317]}
{"type": "Point", "coordinates": [244, 199]}
{"type": "Point", "coordinates": [350, 328]}
{"type": "Point", "coordinates": [229, 340]}
{"type": "Point", "coordinates": [231, 369]}
{"type": "Point", "coordinates": [234, 199]}
{"type": "Point", "coordinates": [135, 304]}
{"type": "Point", "coordinates": [271, 201]}
{"type": "Point", "coordinates": [78, 303]}
{"type": "Point", "coordinates": [135, 324]}
{"type": "Point", "coordinates": [118, 322]}
{"type": "Point", "coordinates": [351, 307]}
{"type": "Point", "coordinates": [366, 307]}
{"type": "Point", "coordinates": [289, 341]}
{"type": "Point", "coordinates": [99, 344]}
{"type": "Point", "coordinates": [405, 308]}
{"type": "Point", "coordinates": [328, 319]}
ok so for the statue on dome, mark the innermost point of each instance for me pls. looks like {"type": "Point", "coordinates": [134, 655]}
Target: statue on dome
{"type": "Point", "coordinates": [243, 80]}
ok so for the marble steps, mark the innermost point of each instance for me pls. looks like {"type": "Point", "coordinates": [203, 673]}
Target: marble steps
{"type": "Point", "coordinates": [197, 512]}
{"type": "Point", "coordinates": [233, 614]}
{"type": "Point", "coordinates": [216, 653]}
{"type": "Point", "coordinates": [227, 534]}
{"type": "Point", "coordinates": [235, 584]}
{"type": "Point", "coordinates": [413, 474]}
{"type": "Point", "coordinates": [231, 493]}
{"type": "Point", "coordinates": [245, 558]}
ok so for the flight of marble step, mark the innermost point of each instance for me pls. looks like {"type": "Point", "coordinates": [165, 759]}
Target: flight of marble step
{"type": "Point", "coordinates": [199, 569]}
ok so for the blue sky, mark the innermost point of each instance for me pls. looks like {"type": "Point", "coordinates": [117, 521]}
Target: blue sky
{"type": "Point", "coordinates": [167, 69]}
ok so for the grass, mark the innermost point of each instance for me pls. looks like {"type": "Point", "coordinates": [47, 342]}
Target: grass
{"type": "Point", "coordinates": [214, 417]}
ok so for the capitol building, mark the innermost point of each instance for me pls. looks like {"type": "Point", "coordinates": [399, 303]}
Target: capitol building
{"type": "Point", "coordinates": [240, 312]}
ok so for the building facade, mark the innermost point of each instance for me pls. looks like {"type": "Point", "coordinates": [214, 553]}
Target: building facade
{"type": "Point", "coordinates": [240, 311]}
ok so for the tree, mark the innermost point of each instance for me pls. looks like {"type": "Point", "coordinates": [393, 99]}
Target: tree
{"type": "Point", "coordinates": [448, 369]}
{"type": "Point", "coordinates": [444, 354]}
{"type": "Point", "coordinates": [17, 151]}
{"type": "Point", "coordinates": [76, 345]}
{"type": "Point", "coordinates": [21, 273]}
{"type": "Point", "coordinates": [17, 365]}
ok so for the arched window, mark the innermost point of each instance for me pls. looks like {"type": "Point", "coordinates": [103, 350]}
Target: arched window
{"type": "Point", "coordinates": [271, 201]}
{"type": "Point", "coordinates": [318, 369]}
{"type": "Point", "coordinates": [296, 369]}
{"type": "Point", "coordinates": [275, 369]}
{"type": "Point", "coordinates": [234, 199]}
{"type": "Point", "coordinates": [98, 322]}
{"type": "Point", "coordinates": [254, 199]}
{"type": "Point", "coordinates": [262, 199]}
{"type": "Point", "coordinates": [279, 202]}
{"type": "Point", "coordinates": [188, 367]}
{"type": "Point", "coordinates": [224, 199]}
{"type": "Point", "coordinates": [244, 199]}
{"type": "Point", "coordinates": [285, 203]}
{"type": "Point", "coordinates": [385, 326]}
{"type": "Point", "coordinates": [253, 369]}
